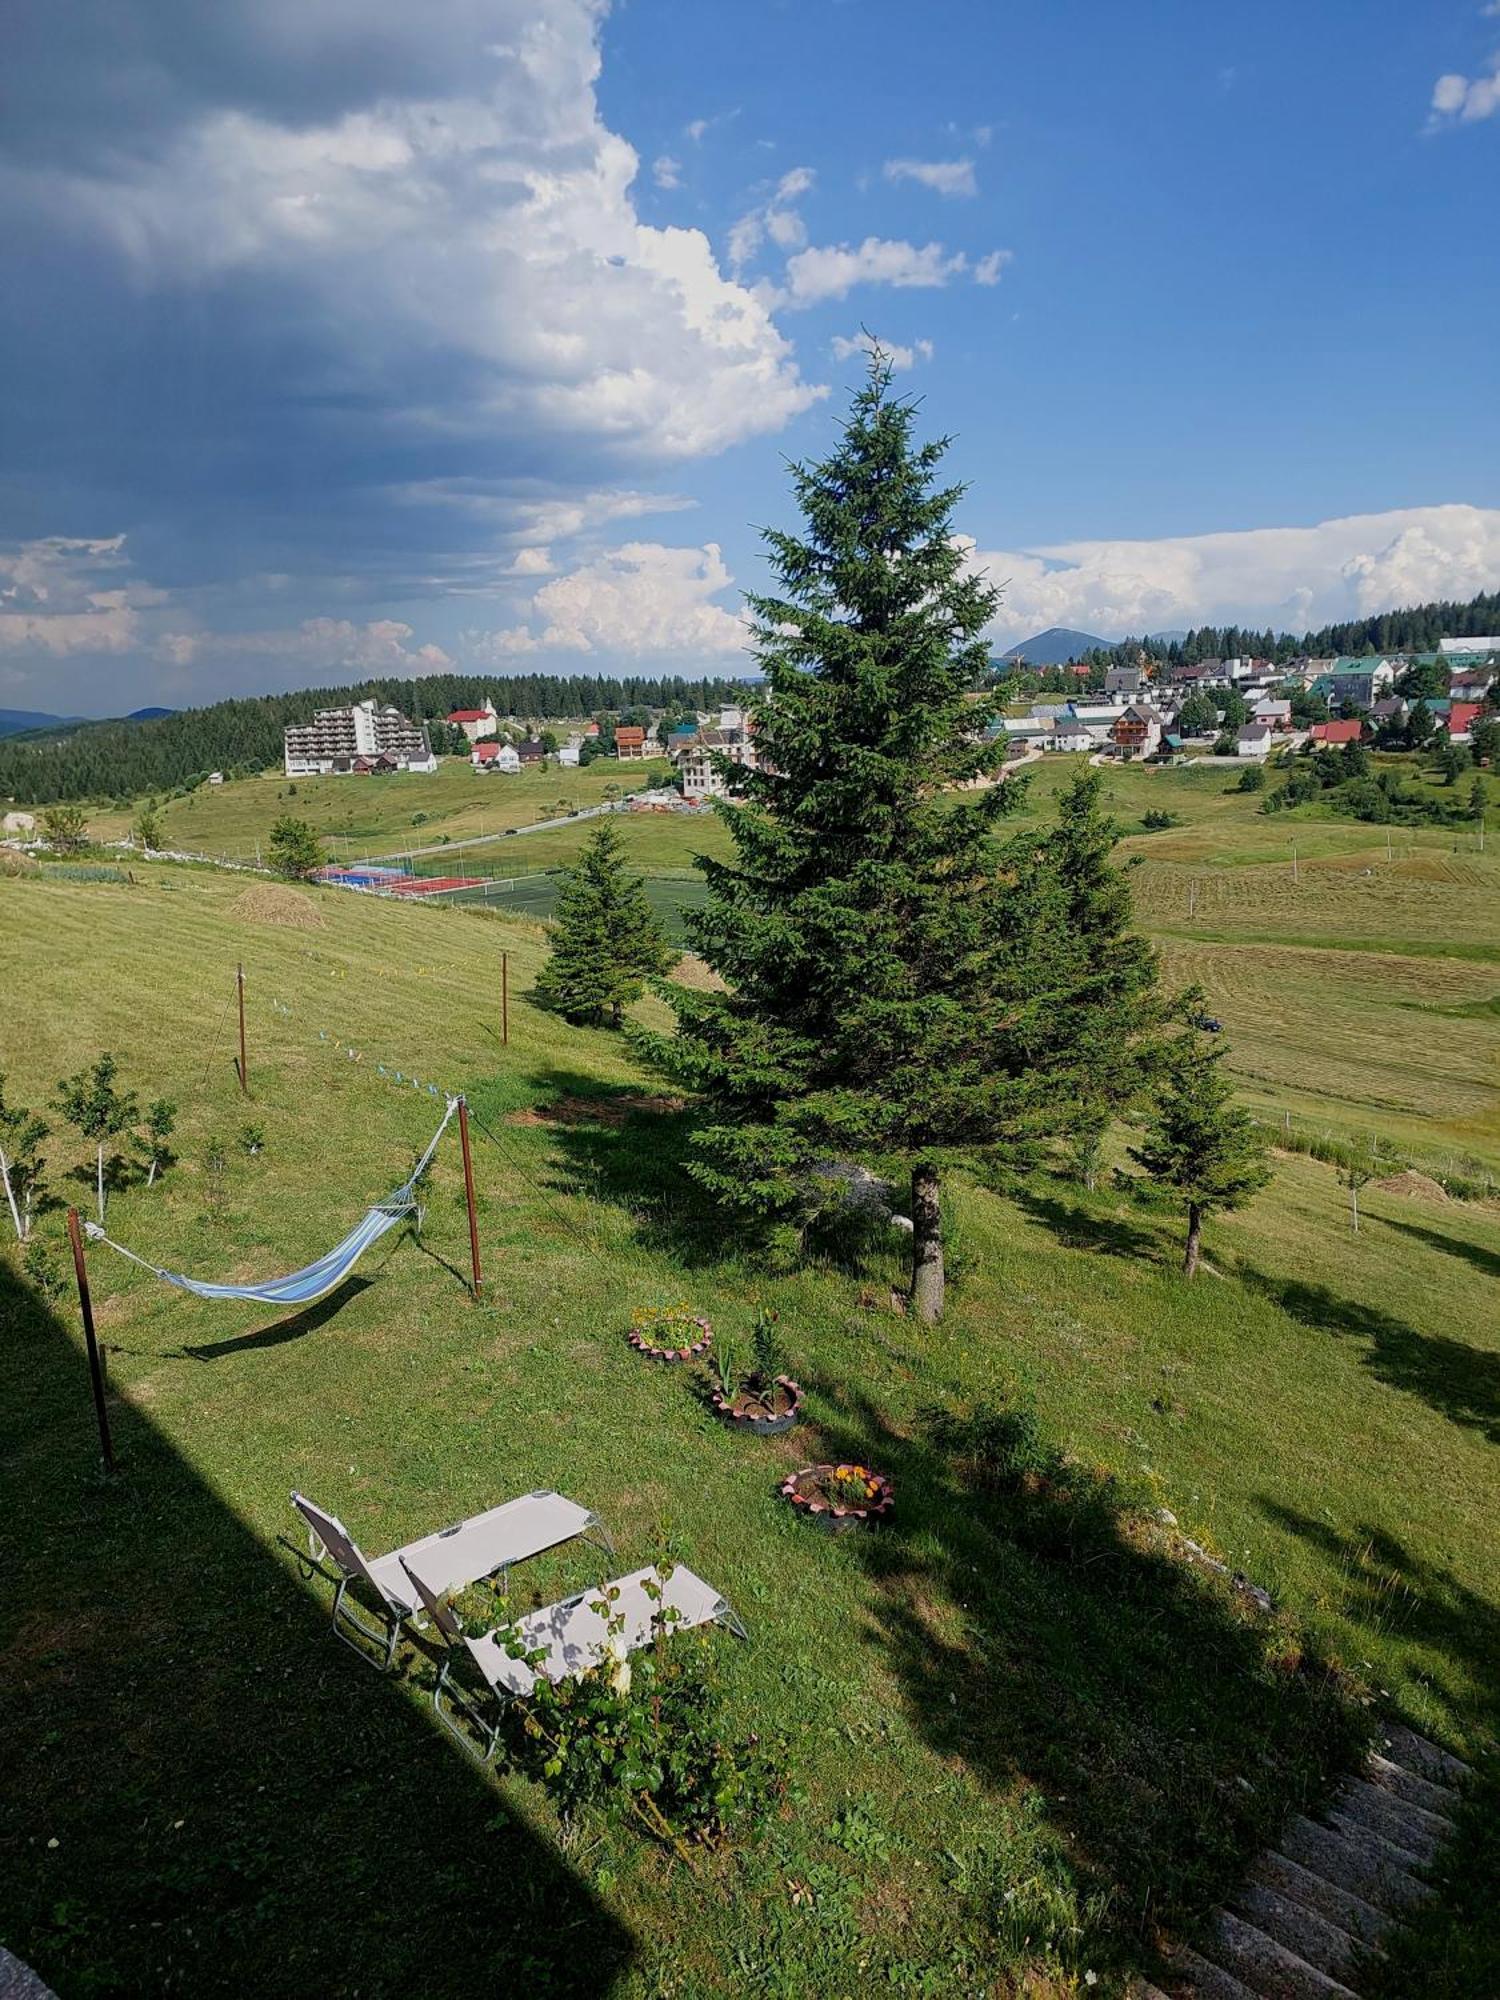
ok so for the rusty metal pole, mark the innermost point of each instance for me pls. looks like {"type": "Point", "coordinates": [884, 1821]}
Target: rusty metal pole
{"type": "Point", "coordinates": [463, 1135]}
{"type": "Point", "coordinates": [96, 1366]}
{"type": "Point", "coordinates": [505, 999]}
{"type": "Point", "coordinates": [244, 1073]}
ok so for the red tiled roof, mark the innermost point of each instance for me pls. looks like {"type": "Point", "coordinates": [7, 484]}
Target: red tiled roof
{"type": "Point", "coordinates": [1462, 713]}
{"type": "Point", "coordinates": [488, 752]}
{"type": "Point", "coordinates": [1337, 732]}
{"type": "Point", "coordinates": [470, 715]}
{"type": "Point", "coordinates": [630, 733]}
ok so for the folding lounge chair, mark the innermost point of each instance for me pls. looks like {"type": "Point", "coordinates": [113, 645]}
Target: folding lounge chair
{"type": "Point", "coordinates": [452, 1558]}
{"type": "Point", "coordinates": [573, 1634]}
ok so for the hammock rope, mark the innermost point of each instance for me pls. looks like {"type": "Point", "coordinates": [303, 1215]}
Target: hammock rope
{"type": "Point", "coordinates": [315, 1280]}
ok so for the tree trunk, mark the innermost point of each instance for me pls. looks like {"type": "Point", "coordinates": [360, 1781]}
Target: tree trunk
{"type": "Point", "coordinates": [15, 1215]}
{"type": "Point", "coordinates": [926, 1246]}
{"type": "Point", "coordinates": [101, 1187]}
{"type": "Point", "coordinates": [1194, 1240]}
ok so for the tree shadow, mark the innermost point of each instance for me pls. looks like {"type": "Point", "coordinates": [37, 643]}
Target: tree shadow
{"type": "Point", "coordinates": [1459, 1381]}
{"type": "Point", "coordinates": [617, 1144]}
{"type": "Point", "coordinates": [1077, 1227]}
{"type": "Point", "coordinates": [305, 1322]}
{"type": "Point", "coordinates": [1043, 1631]}
{"type": "Point", "coordinates": [1476, 1254]}
{"type": "Point", "coordinates": [208, 1794]}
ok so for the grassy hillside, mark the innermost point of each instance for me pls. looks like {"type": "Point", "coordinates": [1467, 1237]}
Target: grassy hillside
{"type": "Point", "coordinates": [367, 816]}
{"type": "Point", "coordinates": [1021, 1734]}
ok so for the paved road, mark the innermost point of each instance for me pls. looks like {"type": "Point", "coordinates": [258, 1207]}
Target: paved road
{"type": "Point", "coordinates": [488, 839]}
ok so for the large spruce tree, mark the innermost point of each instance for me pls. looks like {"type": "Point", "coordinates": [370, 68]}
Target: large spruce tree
{"type": "Point", "coordinates": [606, 941]}
{"type": "Point", "coordinates": [893, 969]}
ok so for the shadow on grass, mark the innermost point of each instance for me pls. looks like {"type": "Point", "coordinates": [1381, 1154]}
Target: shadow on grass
{"type": "Point", "coordinates": [1484, 1260]}
{"type": "Point", "coordinates": [208, 1795]}
{"type": "Point", "coordinates": [1459, 1381]}
{"type": "Point", "coordinates": [305, 1322]}
{"type": "Point", "coordinates": [1041, 1631]}
{"type": "Point", "coordinates": [1078, 1227]}
{"type": "Point", "coordinates": [616, 1145]}
{"type": "Point", "coordinates": [1450, 1949]}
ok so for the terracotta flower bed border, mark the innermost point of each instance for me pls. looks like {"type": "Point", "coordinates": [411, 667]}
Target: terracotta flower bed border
{"type": "Point", "coordinates": [767, 1422]}
{"type": "Point", "coordinates": [689, 1353]}
{"type": "Point", "coordinates": [829, 1516]}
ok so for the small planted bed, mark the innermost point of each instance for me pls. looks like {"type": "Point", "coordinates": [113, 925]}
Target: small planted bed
{"type": "Point", "coordinates": [765, 1401]}
{"type": "Point", "coordinates": [838, 1498]}
{"type": "Point", "coordinates": [669, 1333]}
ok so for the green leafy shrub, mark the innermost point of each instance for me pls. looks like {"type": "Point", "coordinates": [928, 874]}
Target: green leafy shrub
{"type": "Point", "coordinates": [640, 1736]}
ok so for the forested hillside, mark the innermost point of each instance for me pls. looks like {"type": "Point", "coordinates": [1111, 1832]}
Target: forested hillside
{"type": "Point", "coordinates": [1415, 630]}
{"type": "Point", "coordinates": [106, 760]}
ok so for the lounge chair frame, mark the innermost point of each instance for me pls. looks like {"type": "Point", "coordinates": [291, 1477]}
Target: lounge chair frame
{"type": "Point", "coordinates": [360, 1629]}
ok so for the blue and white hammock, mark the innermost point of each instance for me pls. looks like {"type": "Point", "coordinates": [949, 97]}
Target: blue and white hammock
{"type": "Point", "coordinates": [301, 1288]}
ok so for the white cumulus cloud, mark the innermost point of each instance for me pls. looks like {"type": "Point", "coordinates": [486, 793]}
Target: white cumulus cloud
{"type": "Point", "coordinates": [1292, 579]}
{"type": "Point", "coordinates": [1464, 100]}
{"type": "Point", "coordinates": [67, 594]}
{"type": "Point", "coordinates": [900, 357]}
{"type": "Point", "coordinates": [832, 271]}
{"type": "Point", "coordinates": [948, 177]}
{"type": "Point", "coordinates": [640, 600]}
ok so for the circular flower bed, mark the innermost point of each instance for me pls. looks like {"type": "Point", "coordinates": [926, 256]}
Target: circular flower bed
{"type": "Point", "coordinates": [767, 1412]}
{"type": "Point", "coordinates": [669, 1333]}
{"type": "Point", "coordinates": [839, 1497]}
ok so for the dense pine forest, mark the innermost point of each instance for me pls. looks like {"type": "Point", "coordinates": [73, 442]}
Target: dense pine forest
{"type": "Point", "coordinates": [106, 760]}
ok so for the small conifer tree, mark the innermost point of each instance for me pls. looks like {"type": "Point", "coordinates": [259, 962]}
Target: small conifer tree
{"type": "Point", "coordinates": [90, 1100]}
{"type": "Point", "coordinates": [295, 849]}
{"type": "Point", "coordinates": [1200, 1145]}
{"type": "Point", "coordinates": [605, 937]}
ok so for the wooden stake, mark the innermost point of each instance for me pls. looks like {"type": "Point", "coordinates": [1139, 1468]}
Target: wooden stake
{"type": "Point", "coordinates": [244, 1073]}
{"type": "Point", "coordinates": [96, 1366]}
{"type": "Point", "coordinates": [505, 999]}
{"type": "Point", "coordinates": [463, 1135]}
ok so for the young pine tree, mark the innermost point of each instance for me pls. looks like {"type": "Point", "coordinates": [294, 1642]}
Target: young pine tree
{"type": "Point", "coordinates": [606, 941]}
{"type": "Point", "coordinates": [1199, 1144]}
{"type": "Point", "coordinates": [21, 1161]}
{"type": "Point", "coordinates": [891, 967]}
{"type": "Point", "coordinates": [90, 1100]}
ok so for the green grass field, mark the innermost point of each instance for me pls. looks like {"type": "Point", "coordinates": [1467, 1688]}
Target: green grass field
{"type": "Point", "coordinates": [1022, 1737]}
{"type": "Point", "coordinates": [362, 817]}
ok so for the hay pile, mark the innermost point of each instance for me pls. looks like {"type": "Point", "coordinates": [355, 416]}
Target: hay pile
{"type": "Point", "coordinates": [270, 903]}
{"type": "Point", "coordinates": [1410, 1182]}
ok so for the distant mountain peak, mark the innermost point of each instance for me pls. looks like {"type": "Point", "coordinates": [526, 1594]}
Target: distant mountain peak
{"type": "Point", "coordinates": [1055, 647]}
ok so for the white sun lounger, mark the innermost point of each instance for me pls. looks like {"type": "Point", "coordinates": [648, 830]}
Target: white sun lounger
{"type": "Point", "coordinates": [452, 1558]}
{"type": "Point", "coordinates": [573, 1633]}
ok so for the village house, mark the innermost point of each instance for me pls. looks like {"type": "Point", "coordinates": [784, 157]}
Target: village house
{"type": "Point", "coordinates": [1137, 733]}
{"type": "Point", "coordinates": [532, 751]}
{"type": "Point", "coordinates": [1276, 715]}
{"type": "Point", "coordinates": [1476, 649]}
{"type": "Point", "coordinates": [630, 742]}
{"type": "Point", "coordinates": [1355, 683]}
{"type": "Point", "coordinates": [1390, 708]}
{"type": "Point", "coordinates": [571, 753]}
{"type": "Point", "coordinates": [342, 741]}
{"type": "Point", "coordinates": [1471, 684]}
{"type": "Point", "coordinates": [1334, 733]}
{"type": "Point", "coordinates": [1123, 680]}
{"type": "Point", "coordinates": [1072, 733]}
{"type": "Point", "coordinates": [475, 722]}
{"type": "Point", "coordinates": [1461, 718]}
{"type": "Point", "coordinates": [495, 757]}
{"type": "Point", "coordinates": [1253, 740]}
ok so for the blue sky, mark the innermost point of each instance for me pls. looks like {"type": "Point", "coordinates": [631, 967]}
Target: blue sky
{"type": "Point", "coordinates": [352, 336]}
